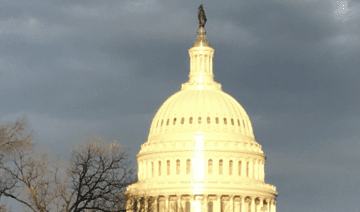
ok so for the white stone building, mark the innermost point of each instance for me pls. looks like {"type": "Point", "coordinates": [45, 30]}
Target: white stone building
{"type": "Point", "coordinates": [201, 153]}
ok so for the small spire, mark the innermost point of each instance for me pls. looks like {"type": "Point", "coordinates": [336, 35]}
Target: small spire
{"type": "Point", "coordinates": [201, 38]}
{"type": "Point", "coordinates": [201, 60]}
{"type": "Point", "coordinates": [201, 33]}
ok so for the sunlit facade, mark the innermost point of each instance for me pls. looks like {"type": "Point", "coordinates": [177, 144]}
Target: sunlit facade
{"type": "Point", "coordinates": [201, 153]}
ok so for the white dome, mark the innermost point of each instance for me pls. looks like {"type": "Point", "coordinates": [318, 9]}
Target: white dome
{"type": "Point", "coordinates": [211, 110]}
{"type": "Point", "coordinates": [201, 144]}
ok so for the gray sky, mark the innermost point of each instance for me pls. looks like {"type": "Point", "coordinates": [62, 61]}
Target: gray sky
{"type": "Point", "coordinates": [107, 66]}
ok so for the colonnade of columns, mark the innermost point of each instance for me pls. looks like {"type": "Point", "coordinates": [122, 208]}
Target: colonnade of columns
{"type": "Point", "coordinates": [253, 168]}
{"type": "Point", "coordinates": [204, 203]}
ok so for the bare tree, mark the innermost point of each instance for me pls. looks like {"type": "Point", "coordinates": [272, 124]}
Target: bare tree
{"type": "Point", "coordinates": [94, 179]}
{"type": "Point", "coordinates": [13, 135]}
{"type": "Point", "coordinates": [98, 174]}
{"type": "Point", "coordinates": [27, 178]}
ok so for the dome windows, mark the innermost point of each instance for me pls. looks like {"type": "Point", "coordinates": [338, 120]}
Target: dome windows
{"type": "Point", "coordinates": [200, 121]}
{"type": "Point", "coordinates": [220, 167]}
{"type": "Point", "coordinates": [159, 168]}
{"type": "Point", "coordinates": [152, 169]}
{"type": "Point", "coordinates": [210, 166]}
{"type": "Point", "coordinates": [239, 168]}
{"type": "Point", "coordinates": [168, 167]}
{"type": "Point", "coordinates": [178, 167]}
{"type": "Point", "coordinates": [188, 165]}
{"type": "Point", "coordinates": [247, 169]}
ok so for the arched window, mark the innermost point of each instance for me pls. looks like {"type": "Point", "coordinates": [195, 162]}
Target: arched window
{"type": "Point", "coordinates": [217, 120]}
{"type": "Point", "coordinates": [168, 167]}
{"type": "Point", "coordinates": [162, 122]}
{"type": "Point", "coordinates": [152, 169]}
{"type": "Point", "coordinates": [230, 167]}
{"type": "Point", "coordinates": [210, 166]}
{"type": "Point", "coordinates": [182, 120]}
{"type": "Point", "coordinates": [174, 121]}
{"type": "Point", "coordinates": [188, 165]}
{"type": "Point", "coordinates": [225, 121]}
{"type": "Point", "coordinates": [239, 168]}
{"type": "Point", "coordinates": [187, 206]}
{"type": "Point", "coordinates": [220, 166]}
{"type": "Point", "coordinates": [178, 167]}
{"type": "Point", "coordinates": [208, 120]}
{"type": "Point", "coordinates": [159, 168]}
{"type": "Point", "coordinates": [238, 122]}
{"type": "Point", "coordinates": [210, 206]}
{"type": "Point", "coordinates": [232, 121]}
{"type": "Point", "coordinates": [167, 123]}
{"type": "Point", "coordinates": [247, 169]}
{"type": "Point", "coordinates": [199, 120]}
{"type": "Point", "coordinates": [190, 120]}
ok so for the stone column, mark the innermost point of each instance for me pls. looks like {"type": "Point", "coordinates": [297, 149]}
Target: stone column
{"type": "Point", "coordinates": [242, 205]}
{"type": "Point", "coordinates": [263, 171]}
{"type": "Point", "coordinates": [261, 204]}
{"type": "Point", "coordinates": [243, 168]}
{"type": "Point", "coordinates": [274, 206]}
{"type": "Point", "coordinates": [192, 200]}
{"type": "Point", "coordinates": [236, 168]}
{"type": "Point", "coordinates": [268, 205]}
{"type": "Point", "coordinates": [138, 204]}
{"type": "Point", "coordinates": [217, 203]}
{"type": "Point", "coordinates": [139, 170]}
{"type": "Point", "coordinates": [127, 206]}
{"type": "Point", "coordinates": [231, 203]}
{"type": "Point", "coordinates": [205, 201]}
{"type": "Point", "coordinates": [257, 169]}
{"type": "Point", "coordinates": [146, 204]}
{"type": "Point", "coordinates": [167, 202]}
{"type": "Point", "coordinates": [250, 166]}
{"type": "Point", "coordinates": [252, 169]}
{"type": "Point", "coordinates": [156, 204]}
{"type": "Point", "coordinates": [252, 204]}
{"type": "Point", "coordinates": [257, 205]}
{"type": "Point", "coordinates": [178, 203]}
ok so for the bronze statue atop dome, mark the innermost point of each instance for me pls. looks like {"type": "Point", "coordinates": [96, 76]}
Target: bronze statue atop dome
{"type": "Point", "coordinates": [201, 17]}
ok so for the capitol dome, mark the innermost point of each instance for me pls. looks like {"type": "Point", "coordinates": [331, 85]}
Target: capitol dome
{"type": "Point", "coordinates": [201, 153]}
{"type": "Point", "coordinates": [209, 110]}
